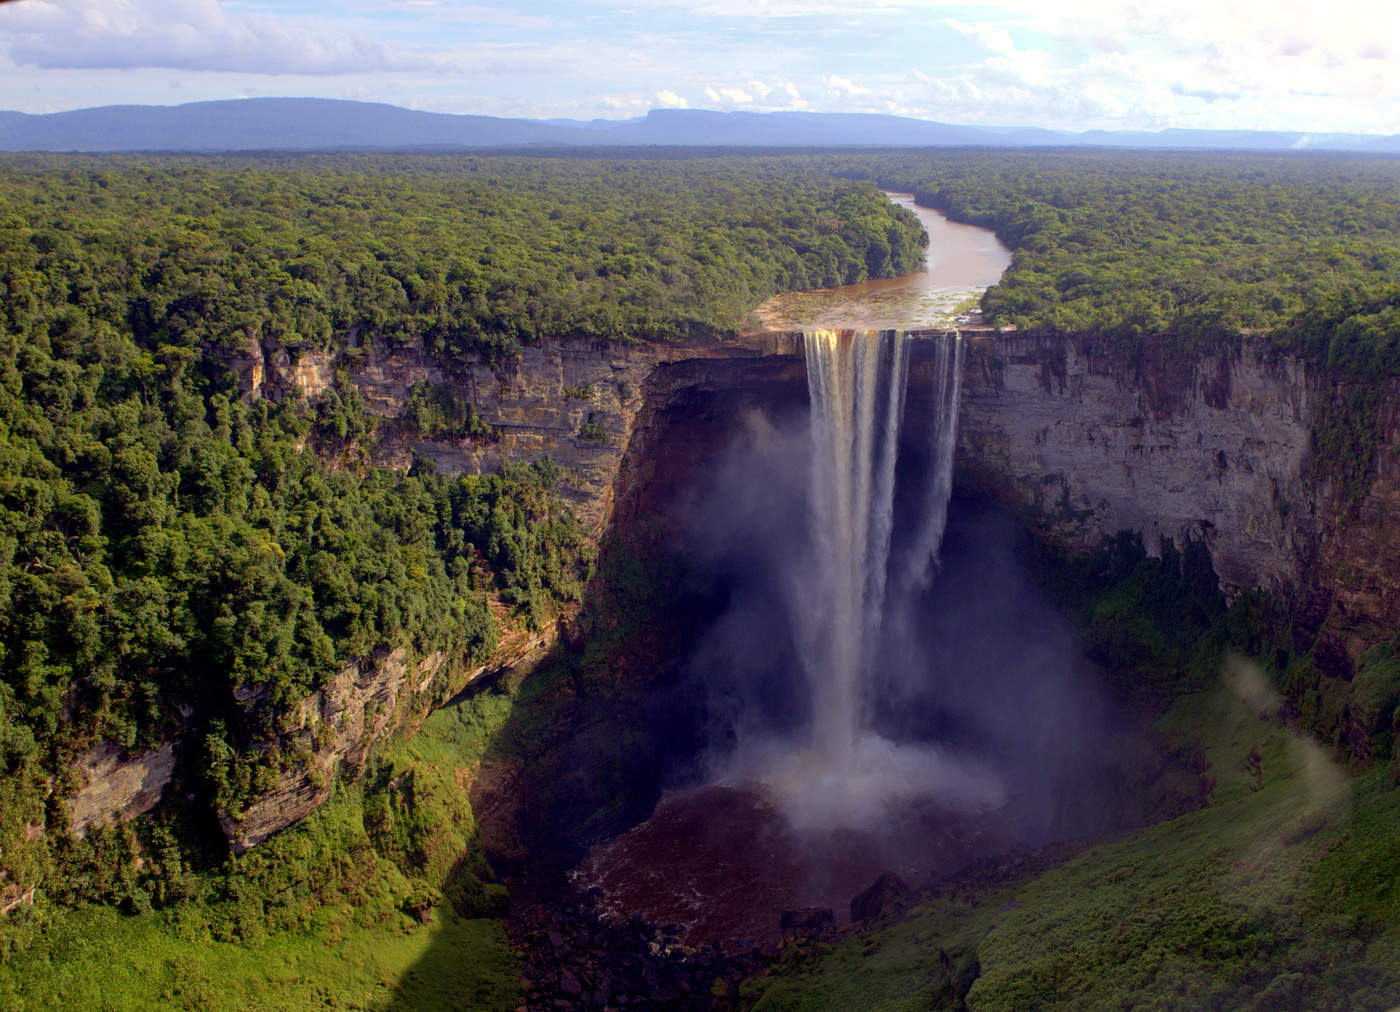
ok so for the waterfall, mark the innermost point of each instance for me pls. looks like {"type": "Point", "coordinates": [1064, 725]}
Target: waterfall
{"type": "Point", "coordinates": [856, 382]}
{"type": "Point", "coordinates": [922, 557]}
{"type": "Point", "coordinates": [842, 598]}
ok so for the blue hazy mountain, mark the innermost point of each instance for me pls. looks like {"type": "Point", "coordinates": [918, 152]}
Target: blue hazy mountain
{"type": "Point", "coordinates": [308, 123]}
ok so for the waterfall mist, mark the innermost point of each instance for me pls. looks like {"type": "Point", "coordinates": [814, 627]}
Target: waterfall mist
{"type": "Point", "coordinates": [853, 677]}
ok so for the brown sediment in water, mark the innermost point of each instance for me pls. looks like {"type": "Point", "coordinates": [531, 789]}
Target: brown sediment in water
{"type": "Point", "coordinates": [962, 262]}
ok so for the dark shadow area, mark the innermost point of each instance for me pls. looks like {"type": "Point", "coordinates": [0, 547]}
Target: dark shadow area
{"type": "Point", "coordinates": [686, 650]}
{"type": "Point", "coordinates": [615, 715]}
{"type": "Point", "coordinates": [981, 660]}
{"type": "Point", "coordinates": [978, 668]}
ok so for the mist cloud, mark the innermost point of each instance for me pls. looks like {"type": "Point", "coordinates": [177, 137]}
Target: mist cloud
{"type": "Point", "coordinates": [960, 712]}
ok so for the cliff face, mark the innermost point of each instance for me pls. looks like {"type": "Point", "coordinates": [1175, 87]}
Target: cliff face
{"type": "Point", "coordinates": [629, 397]}
{"type": "Point", "coordinates": [1083, 440]}
{"type": "Point", "coordinates": [573, 401]}
{"type": "Point", "coordinates": [1087, 441]}
{"type": "Point", "coordinates": [1088, 444]}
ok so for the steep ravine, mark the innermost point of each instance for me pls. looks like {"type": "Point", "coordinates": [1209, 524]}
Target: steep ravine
{"type": "Point", "coordinates": [1083, 440]}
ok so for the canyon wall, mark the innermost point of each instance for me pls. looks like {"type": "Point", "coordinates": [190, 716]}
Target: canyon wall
{"type": "Point", "coordinates": [606, 412]}
{"type": "Point", "coordinates": [573, 401]}
{"type": "Point", "coordinates": [1086, 444]}
{"type": "Point", "coordinates": [1085, 437]}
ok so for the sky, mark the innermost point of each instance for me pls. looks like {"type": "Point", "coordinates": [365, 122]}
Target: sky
{"type": "Point", "coordinates": [1062, 64]}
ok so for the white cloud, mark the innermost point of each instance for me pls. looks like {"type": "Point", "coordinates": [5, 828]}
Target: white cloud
{"type": "Point", "coordinates": [728, 96]}
{"type": "Point", "coordinates": [781, 8]}
{"type": "Point", "coordinates": [1248, 63]}
{"type": "Point", "coordinates": [628, 104]}
{"type": "Point", "coordinates": [185, 35]}
{"type": "Point", "coordinates": [794, 99]}
{"type": "Point", "coordinates": [844, 86]}
{"type": "Point", "coordinates": [1084, 64]}
{"type": "Point", "coordinates": [986, 35]}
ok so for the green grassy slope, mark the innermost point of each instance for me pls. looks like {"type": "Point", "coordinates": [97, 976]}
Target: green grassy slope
{"type": "Point", "coordinates": [323, 916]}
{"type": "Point", "coordinates": [1280, 894]}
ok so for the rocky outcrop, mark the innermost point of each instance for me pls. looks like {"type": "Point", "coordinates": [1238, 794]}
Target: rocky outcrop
{"type": "Point", "coordinates": [573, 401]}
{"type": "Point", "coordinates": [887, 894]}
{"type": "Point", "coordinates": [335, 728]}
{"type": "Point", "coordinates": [117, 786]}
{"type": "Point", "coordinates": [1088, 438]}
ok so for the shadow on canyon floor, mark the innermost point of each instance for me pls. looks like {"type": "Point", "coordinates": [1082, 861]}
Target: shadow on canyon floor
{"type": "Point", "coordinates": [620, 712]}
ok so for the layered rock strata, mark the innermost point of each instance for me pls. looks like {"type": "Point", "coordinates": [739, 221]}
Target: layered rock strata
{"type": "Point", "coordinates": [1083, 436]}
{"type": "Point", "coordinates": [1088, 437]}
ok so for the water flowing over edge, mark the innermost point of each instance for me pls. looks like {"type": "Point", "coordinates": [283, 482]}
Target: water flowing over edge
{"type": "Point", "coordinates": [846, 774]}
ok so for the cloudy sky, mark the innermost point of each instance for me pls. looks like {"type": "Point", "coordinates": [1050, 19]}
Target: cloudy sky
{"type": "Point", "coordinates": [1070, 64]}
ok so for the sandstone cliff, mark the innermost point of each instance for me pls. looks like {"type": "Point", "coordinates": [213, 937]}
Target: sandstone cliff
{"type": "Point", "coordinates": [1083, 438]}
{"type": "Point", "coordinates": [1087, 443]}
{"type": "Point", "coordinates": [1088, 438]}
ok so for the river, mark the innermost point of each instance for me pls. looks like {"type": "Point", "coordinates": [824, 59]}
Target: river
{"type": "Point", "coordinates": [961, 263]}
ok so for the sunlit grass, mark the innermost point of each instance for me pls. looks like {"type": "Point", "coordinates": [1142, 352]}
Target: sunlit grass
{"type": "Point", "coordinates": [328, 953]}
{"type": "Point", "coordinates": [1281, 894]}
{"type": "Point", "coordinates": [98, 958]}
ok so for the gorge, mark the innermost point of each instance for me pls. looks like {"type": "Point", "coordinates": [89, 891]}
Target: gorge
{"type": "Point", "coordinates": [686, 607]}
{"type": "Point", "coordinates": [1078, 440]}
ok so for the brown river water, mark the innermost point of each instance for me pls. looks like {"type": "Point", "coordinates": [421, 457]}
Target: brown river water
{"type": "Point", "coordinates": [721, 862]}
{"type": "Point", "coordinates": [962, 261]}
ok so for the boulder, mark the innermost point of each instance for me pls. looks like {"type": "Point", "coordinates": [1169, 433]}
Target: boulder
{"type": "Point", "coordinates": [886, 893]}
{"type": "Point", "coordinates": [808, 921]}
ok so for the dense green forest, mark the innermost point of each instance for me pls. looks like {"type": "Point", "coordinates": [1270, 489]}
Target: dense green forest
{"type": "Point", "coordinates": [471, 255]}
{"type": "Point", "coordinates": [178, 561]}
{"type": "Point", "coordinates": [1202, 245]}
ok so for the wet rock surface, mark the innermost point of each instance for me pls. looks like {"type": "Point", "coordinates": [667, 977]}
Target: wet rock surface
{"type": "Point", "coordinates": [573, 957]}
{"type": "Point", "coordinates": [807, 921]}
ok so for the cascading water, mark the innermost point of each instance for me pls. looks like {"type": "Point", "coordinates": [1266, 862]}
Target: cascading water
{"type": "Point", "coordinates": [846, 774]}
{"type": "Point", "coordinates": [862, 716]}
{"type": "Point", "coordinates": [922, 557]}
{"type": "Point", "coordinates": [855, 381]}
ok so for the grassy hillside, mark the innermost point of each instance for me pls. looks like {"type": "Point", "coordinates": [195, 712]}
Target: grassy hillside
{"type": "Point", "coordinates": [1280, 894]}
{"type": "Point", "coordinates": [380, 899]}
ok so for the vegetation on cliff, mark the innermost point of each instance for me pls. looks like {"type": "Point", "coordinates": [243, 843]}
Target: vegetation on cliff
{"type": "Point", "coordinates": [178, 562]}
{"type": "Point", "coordinates": [380, 899]}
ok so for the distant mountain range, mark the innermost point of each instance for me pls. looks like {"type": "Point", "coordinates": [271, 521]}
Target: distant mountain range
{"type": "Point", "coordinates": [319, 124]}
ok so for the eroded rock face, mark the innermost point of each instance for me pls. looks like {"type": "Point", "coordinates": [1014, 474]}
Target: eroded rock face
{"type": "Point", "coordinates": [1214, 450]}
{"type": "Point", "coordinates": [118, 786]}
{"type": "Point", "coordinates": [1087, 439]}
{"type": "Point", "coordinates": [573, 401]}
{"type": "Point", "coordinates": [1083, 438]}
{"type": "Point", "coordinates": [336, 728]}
